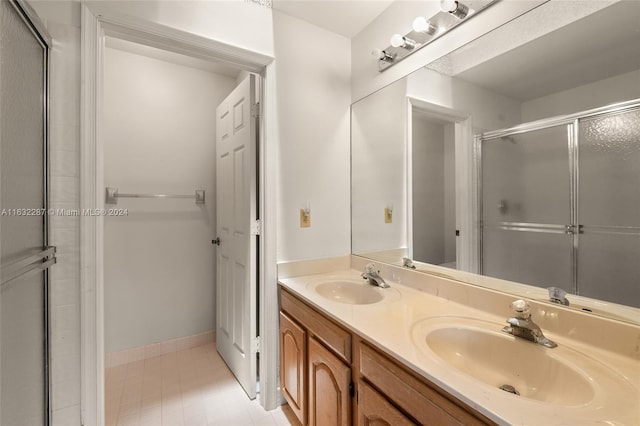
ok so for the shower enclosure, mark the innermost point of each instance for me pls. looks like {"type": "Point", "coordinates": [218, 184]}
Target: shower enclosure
{"type": "Point", "coordinates": [24, 251]}
{"type": "Point", "coordinates": [560, 203]}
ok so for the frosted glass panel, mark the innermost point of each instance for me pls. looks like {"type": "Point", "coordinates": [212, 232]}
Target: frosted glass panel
{"type": "Point", "coordinates": [608, 267]}
{"type": "Point", "coordinates": [535, 258]}
{"type": "Point", "coordinates": [609, 202]}
{"type": "Point", "coordinates": [526, 205]}
{"type": "Point", "coordinates": [609, 192]}
{"type": "Point", "coordinates": [525, 178]}
{"type": "Point", "coordinates": [22, 346]}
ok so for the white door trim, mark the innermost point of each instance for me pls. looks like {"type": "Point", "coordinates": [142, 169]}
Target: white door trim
{"type": "Point", "coordinates": [94, 27]}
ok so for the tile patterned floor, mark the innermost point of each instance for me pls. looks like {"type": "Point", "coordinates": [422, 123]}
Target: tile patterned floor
{"type": "Point", "coordinates": [192, 387]}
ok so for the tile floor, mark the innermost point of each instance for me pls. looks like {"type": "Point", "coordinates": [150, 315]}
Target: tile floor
{"type": "Point", "coordinates": [192, 387]}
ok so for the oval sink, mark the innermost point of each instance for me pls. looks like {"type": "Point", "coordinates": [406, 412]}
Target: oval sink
{"type": "Point", "coordinates": [480, 350]}
{"type": "Point", "coordinates": [350, 292]}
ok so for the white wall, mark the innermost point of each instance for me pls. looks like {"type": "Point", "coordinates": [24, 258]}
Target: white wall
{"type": "Point", "coordinates": [620, 88]}
{"type": "Point", "coordinates": [488, 110]}
{"type": "Point", "coordinates": [312, 76]}
{"type": "Point", "coordinates": [159, 127]}
{"type": "Point", "coordinates": [379, 170]}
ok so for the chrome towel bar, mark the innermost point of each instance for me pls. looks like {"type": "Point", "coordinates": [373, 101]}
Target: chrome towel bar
{"type": "Point", "coordinates": [113, 195]}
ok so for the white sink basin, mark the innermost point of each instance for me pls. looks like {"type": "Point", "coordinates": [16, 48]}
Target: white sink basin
{"type": "Point", "coordinates": [487, 356]}
{"type": "Point", "coordinates": [350, 292]}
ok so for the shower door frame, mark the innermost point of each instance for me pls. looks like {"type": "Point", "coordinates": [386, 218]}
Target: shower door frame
{"type": "Point", "coordinates": [572, 120]}
{"type": "Point", "coordinates": [96, 24]}
{"type": "Point", "coordinates": [42, 36]}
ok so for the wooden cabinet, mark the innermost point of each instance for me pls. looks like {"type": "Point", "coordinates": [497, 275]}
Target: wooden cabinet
{"type": "Point", "coordinates": [293, 359]}
{"type": "Point", "coordinates": [414, 395]}
{"type": "Point", "coordinates": [315, 357]}
{"type": "Point", "coordinates": [329, 387]}
{"type": "Point", "coordinates": [375, 410]}
{"type": "Point", "coordinates": [322, 367]}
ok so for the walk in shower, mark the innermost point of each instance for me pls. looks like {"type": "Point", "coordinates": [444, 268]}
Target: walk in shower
{"type": "Point", "coordinates": [560, 203]}
{"type": "Point", "coordinates": [24, 251]}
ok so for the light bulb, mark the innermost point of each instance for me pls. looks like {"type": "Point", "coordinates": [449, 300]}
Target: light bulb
{"type": "Point", "coordinates": [398, 41]}
{"type": "Point", "coordinates": [455, 8]}
{"type": "Point", "coordinates": [448, 5]}
{"type": "Point", "coordinates": [422, 25]}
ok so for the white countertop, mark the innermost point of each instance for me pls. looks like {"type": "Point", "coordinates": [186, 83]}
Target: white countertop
{"type": "Point", "coordinates": [395, 325]}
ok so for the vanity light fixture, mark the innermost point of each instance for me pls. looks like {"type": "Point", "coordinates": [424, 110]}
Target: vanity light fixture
{"type": "Point", "coordinates": [427, 29]}
{"type": "Point", "coordinates": [397, 40]}
{"type": "Point", "coordinates": [423, 25]}
{"type": "Point", "coordinates": [456, 8]}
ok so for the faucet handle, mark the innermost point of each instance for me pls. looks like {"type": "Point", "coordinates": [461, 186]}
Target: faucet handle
{"type": "Point", "coordinates": [521, 308]}
{"type": "Point", "coordinates": [370, 268]}
{"type": "Point", "coordinates": [558, 295]}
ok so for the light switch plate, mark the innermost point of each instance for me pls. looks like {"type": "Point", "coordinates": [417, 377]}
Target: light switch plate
{"type": "Point", "coordinates": [388, 215]}
{"type": "Point", "coordinates": [305, 219]}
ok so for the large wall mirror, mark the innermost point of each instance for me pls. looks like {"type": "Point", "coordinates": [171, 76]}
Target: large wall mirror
{"type": "Point", "coordinates": [514, 161]}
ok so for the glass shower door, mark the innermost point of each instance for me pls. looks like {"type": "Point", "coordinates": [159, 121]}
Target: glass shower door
{"type": "Point", "coordinates": [526, 207]}
{"type": "Point", "coordinates": [609, 207]}
{"type": "Point", "coordinates": [24, 254]}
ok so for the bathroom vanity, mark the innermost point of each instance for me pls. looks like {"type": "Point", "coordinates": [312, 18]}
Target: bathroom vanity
{"type": "Point", "coordinates": [428, 350]}
{"type": "Point", "coordinates": [330, 375]}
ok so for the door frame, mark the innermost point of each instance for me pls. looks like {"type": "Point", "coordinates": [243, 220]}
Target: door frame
{"type": "Point", "coordinates": [467, 244]}
{"type": "Point", "coordinates": [96, 24]}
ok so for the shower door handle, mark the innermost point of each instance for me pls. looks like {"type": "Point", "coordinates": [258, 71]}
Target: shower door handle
{"type": "Point", "coordinates": [28, 265]}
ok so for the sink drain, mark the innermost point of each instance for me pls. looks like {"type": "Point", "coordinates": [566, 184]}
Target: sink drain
{"type": "Point", "coordinates": [510, 389]}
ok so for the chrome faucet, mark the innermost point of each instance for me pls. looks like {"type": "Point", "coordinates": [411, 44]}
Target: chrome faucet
{"type": "Point", "coordinates": [373, 275]}
{"type": "Point", "coordinates": [521, 325]}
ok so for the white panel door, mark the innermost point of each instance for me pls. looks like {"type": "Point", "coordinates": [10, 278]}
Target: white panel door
{"type": "Point", "coordinates": [236, 330]}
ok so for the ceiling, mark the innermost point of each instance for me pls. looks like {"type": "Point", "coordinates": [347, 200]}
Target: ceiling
{"type": "Point", "coordinates": [599, 46]}
{"type": "Point", "coordinates": [345, 17]}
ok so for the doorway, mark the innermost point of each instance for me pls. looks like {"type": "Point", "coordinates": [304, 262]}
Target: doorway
{"type": "Point", "coordinates": [440, 170]}
{"type": "Point", "coordinates": [95, 27]}
{"type": "Point", "coordinates": [172, 194]}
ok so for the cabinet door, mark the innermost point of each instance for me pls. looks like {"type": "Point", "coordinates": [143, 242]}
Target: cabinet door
{"type": "Point", "coordinates": [375, 410]}
{"type": "Point", "coordinates": [329, 380]}
{"type": "Point", "coordinates": [293, 355]}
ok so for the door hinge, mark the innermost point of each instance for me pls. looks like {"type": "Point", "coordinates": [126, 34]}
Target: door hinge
{"type": "Point", "coordinates": [352, 390]}
{"type": "Point", "coordinates": [255, 110]}
{"type": "Point", "coordinates": [255, 344]}
{"type": "Point", "coordinates": [256, 227]}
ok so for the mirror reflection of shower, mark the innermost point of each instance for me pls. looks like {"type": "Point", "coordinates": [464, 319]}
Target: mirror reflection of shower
{"type": "Point", "coordinates": [582, 226]}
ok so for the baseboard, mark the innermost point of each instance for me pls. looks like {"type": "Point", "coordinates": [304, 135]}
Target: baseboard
{"type": "Point", "coordinates": [113, 359]}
